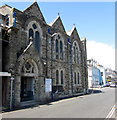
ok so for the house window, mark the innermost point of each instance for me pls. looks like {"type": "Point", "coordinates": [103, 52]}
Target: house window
{"type": "Point", "coordinates": [61, 77]}
{"type": "Point", "coordinates": [101, 73]}
{"type": "Point", "coordinates": [57, 77]}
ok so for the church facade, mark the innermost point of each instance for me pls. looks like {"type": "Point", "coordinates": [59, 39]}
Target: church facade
{"type": "Point", "coordinates": [40, 61]}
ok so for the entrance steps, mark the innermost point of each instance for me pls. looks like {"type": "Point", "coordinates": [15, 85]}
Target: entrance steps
{"type": "Point", "coordinates": [28, 103]}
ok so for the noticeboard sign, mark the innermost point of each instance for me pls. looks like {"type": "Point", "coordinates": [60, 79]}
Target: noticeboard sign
{"type": "Point", "coordinates": [48, 85]}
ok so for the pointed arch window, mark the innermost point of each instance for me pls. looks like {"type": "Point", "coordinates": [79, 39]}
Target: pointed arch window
{"type": "Point", "coordinates": [35, 33]}
{"type": "Point", "coordinates": [74, 48]}
{"type": "Point", "coordinates": [57, 77]}
{"type": "Point", "coordinates": [61, 50]}
{"type": "Point", "coordinates": [59, 46]}
{"type": "Point", "coordinates": [28, 68]}
{"type": "Point", "coordinates": [31, 33]}
{"type": "Point", "coordinates": [79, 56]}
{"type": "Point", "coordinates": [74, 77]}
{"type": "Point", "coordinates": [37, 41]}
{"type": "Point", "coordinates": [61, 76]}
{"type": "Point", "coordinates": [57, 51]}
{"type": "Point", "coordinates": [76, 56]}
{"type": "Point", "coordinates": [78, 78]}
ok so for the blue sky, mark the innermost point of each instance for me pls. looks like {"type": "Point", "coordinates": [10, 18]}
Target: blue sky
{"type": "Point", "coordinates": [94, 20]}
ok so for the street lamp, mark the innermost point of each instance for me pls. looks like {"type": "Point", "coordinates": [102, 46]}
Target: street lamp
{"type": "Point", "coordinates": [12, 79]}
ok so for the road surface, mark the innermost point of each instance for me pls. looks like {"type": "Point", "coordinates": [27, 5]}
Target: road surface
{"type": "Point", "coordinates": [96, 105]}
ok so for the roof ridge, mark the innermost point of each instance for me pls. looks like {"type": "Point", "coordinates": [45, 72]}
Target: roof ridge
{"type": "Point", "coordinates": [29, 6]}
{"type": "Point", "coordinates": [6, 5]}
{"type": "Point", "coordinates": [54, 20]}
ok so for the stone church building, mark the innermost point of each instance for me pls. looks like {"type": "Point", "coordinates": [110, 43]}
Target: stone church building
{"type": "Point", "coordinates": [40, 61]}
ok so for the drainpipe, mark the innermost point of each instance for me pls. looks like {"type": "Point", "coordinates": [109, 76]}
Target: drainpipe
{"type": "Point", "coordinates": [12, 79]}
{"type": "Point", "coordinates": [71, 68]}
{"type": "Point", "coordinates": [52, 37]}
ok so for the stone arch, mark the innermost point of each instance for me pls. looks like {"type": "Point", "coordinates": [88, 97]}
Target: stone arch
{"type": "Point", "coordinates": [34, 25]}
{"type": "Point", "coordinates": [30, 67]}
{"type": "Point", "coordinates": [30, 25]}
{"type": "Point", "coordinates": [35, 75]}
{"type": "Point", "coordinates": [32, 20]}
{"type": "Point", "coordinates": [25, 59]}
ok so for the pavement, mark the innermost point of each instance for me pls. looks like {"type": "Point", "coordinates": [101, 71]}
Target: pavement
{"type": "Point", "coordinates": [99, 104]}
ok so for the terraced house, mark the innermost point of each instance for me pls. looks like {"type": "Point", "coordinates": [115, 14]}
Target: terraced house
{"type": "Point", "coordinates": [40, 61]}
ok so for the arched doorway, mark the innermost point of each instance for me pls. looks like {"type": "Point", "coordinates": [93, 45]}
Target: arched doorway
{"type": "Point", "coordinates": [28, 74]}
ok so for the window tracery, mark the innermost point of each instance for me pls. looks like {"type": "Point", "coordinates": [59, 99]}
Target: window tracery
{"type": "Point", "coordinates": [59, 46]}
{"type": "Point", "coordinates": [76, 53]}
{"type": "Point", "coordinates": [34, 34]}
{"type": "Point", "coordinates": [28, 68]}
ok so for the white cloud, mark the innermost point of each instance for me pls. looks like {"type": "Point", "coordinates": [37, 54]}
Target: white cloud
{"type": "Point", "coordinates": [102, 53]}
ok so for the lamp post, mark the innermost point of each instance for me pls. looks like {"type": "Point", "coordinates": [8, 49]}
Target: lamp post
{"type": "Point", "coordinates": [12, 79]}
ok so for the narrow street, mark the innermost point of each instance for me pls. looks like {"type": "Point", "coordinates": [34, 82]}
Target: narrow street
{"type": "Point", "coordinates": [96, 105]}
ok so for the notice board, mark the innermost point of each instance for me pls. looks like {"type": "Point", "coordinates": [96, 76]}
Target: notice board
{"type": "Point", "coordinates": [48, 85]}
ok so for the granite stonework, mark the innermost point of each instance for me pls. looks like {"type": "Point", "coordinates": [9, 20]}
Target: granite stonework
{"type": "Point", "coordinates": [31, 61]}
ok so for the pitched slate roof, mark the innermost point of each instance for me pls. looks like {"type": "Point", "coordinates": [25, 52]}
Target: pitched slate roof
{"type": "Point", "coordinates": [34, 10]}
{"type": "Point", "coordinates": [57, 23]}
{"type": "Point", "coordinates": [73, 32]}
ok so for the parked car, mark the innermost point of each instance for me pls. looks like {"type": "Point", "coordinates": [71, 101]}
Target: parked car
{"type": "Point", "coordinates": [107, 84]}
{"type": "Point", "coordinates": [112, 85]}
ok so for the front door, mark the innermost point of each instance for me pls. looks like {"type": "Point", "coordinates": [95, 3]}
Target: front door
{"type": "Point", "coordinates": [27, 88]}
{"type": "Point", "coordinates": [4, 91]}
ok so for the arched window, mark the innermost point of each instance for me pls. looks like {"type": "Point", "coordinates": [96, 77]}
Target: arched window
{"type": "Point", "coordinates": [34, 26]}
{"type": "Point", "coordinates": [31, 33]}
{"type": "Point", "coordinates": [37, 41]}
{"type": "Point", "coordinates": [74, 77]}
{"type": "Point", "coordinates": [61, 50]}
{"type": "Point", "coordinates": [59, 46]}
{"type": "Point", "coordinates": [35, 33]}
{"type": "Point", "coordinates": [61, 77]}
{"type": "Point", "coordinates": [78, 78]}
{"type": "Point", "coordinates": [77, 57]}
{"type": "Point", "coordinates": [57, 77]}
{"type": "Point", "coordinates": [74, 54]}
{"type": "Point", "coordinates": [57, 51]}
{"type": "Point", "coordinates": [28, 68]}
